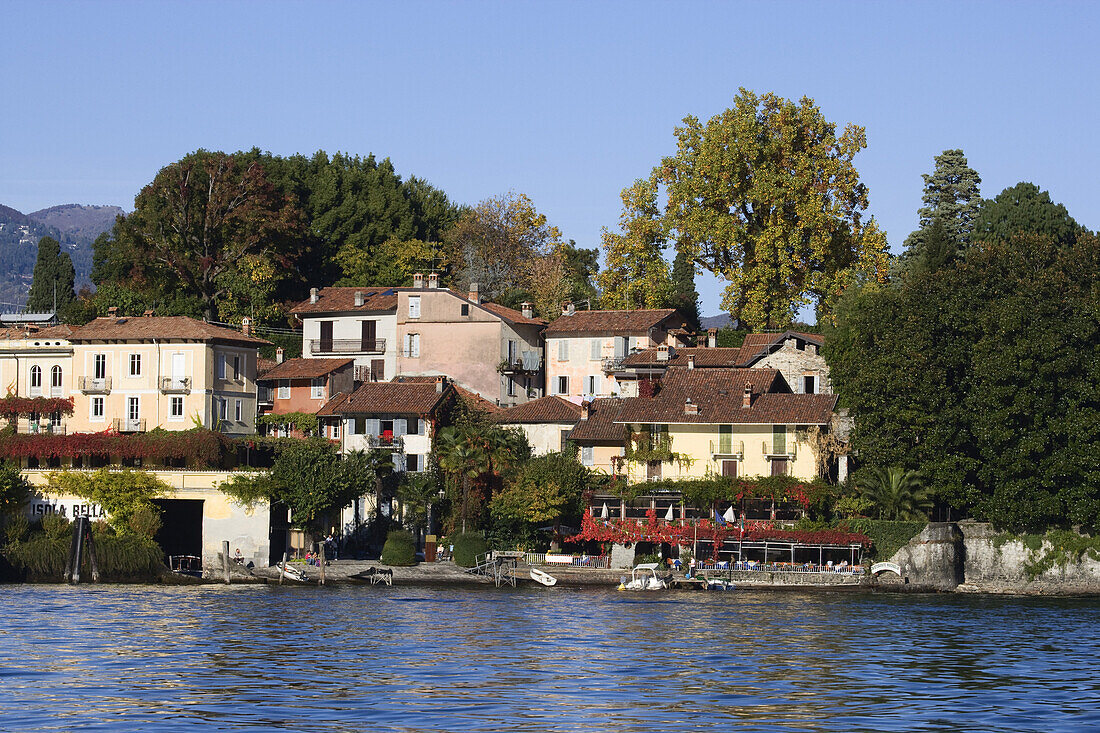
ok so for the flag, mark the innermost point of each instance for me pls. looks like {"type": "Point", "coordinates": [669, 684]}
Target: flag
{"type": "Point", "coordinates": [669, 515]}
{"type": "Point", "coordinates": [718, 519]}
{"type": "Point", "coordinates": [729, 516]}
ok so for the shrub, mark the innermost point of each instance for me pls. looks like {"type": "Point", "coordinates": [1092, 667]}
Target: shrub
{"type": "Point", "coordinates": [467, 547]}
{"type": "Point", "coordinates": [400, 548]}
{"type": "Point", "coordinates": [16, 528]}
{"type": "Point", "coordinates": [120, 558]}
{"type": "Point", "coordinates": [145, 522]}
{"type": "Point", "coordinates": [56, 526]}
{"type": "Point", "coordinates": [887, 537]}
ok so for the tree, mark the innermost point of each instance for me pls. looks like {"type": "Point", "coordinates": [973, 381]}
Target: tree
{"type": "Point", "coordinates": [564, 274]}
{"type": "Point", "coordinates": [1024, 208]}
{"type": "Point", "coordinates": [545, 490]}
{"type": "Point", "coordinates": [951, 195]}
{"type": "Point", "coordinates": [54, 276]}
{"type": "Point", "coordinates": [493, 244]}
{"type": "Point", "coordinates": [765, 196]}
{"type": "Point", "coordinates": [14, 490]}
{"type": "Point", "coordinates": [684, 297]}
{"type": "Point", "coordinates": [635, 273]}
{"type": "Point", "coordinates": [211, 227]}
{"type": "Point", "coordinates": [896, 493]}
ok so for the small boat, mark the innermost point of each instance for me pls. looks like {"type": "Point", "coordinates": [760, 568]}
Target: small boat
{"type": "Point", "coordinates": [718, 584]}
{"type": "Point", "coordinates": [292, 573]}
{"type": "Point", "coordinates": [373, 576]}
{"type": "Point", "coordinates": [644, 577]}
{"type": "Point", "coordinates": [186, 565]}
{"type": "Point", "coordinates": [545, 578]}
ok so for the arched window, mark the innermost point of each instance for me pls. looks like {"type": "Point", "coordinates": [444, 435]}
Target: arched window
{"type": "Point", "coordinates": [55, 377]}
{"type": "Point", "coordinates": [36, 377]}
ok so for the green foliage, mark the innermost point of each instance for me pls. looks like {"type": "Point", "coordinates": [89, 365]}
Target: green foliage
{"type": "Point", "coordinates": [121, 493]}
{"type": "Point", "coordinates": [896, 493]}
{"type": "Point", "coordinates": [544, 490]}
{"type": "Point", "coordinates": [1055, 548]}
{"type": "Point", "coordinates": [1025, 209]}
{"type": "Point", "coordinates": [766, 197]}
{"type": "Point", "coordinates": [417, 491]}
{"type": "Point", "coordinates": [636, 274]}
{"type": "Point", "coordinates": [303, 421]}
{"type": "Point", "coordinates": [249, 488]}
{"type": "Point", "coordinates": [951, 197]}
{"type": "Point", "coordinates": [16, 528]}
{"type": "Point", "coordinates": [56, 526]}
{"type": "Point", "coordinates": [731, 337]}
{"type": "Point", "coordinates": [473, 457]}
{"type": "Point", "coordinates": [853, 506]}
{"type": "Point", "coordinates": [468, 545]}
{"type": "Point", "coordinates": [129, 557]}
{"type": "Point", "coordinates": [14, 490]}
{"type": "Point", "coordinates": [400, 549]}
{"type": "Point", "coordinates": [887, 536]}
{"type": "Point", "coordinates": [54, 278]}
{"type": "Point", "coordinates": [145, 522]}
{"type": "Point", "coordinates": [645, 447]}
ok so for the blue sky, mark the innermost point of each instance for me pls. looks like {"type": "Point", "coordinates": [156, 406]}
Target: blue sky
{"type": "Point", "coordinates": [567, 102]}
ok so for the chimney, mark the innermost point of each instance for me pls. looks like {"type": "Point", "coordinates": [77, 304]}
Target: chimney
{"type": "Point", "coordinates": [418, 280]}
{"type": "Point", "coordinates": [691, 361]}
{"type": "Point", "coordinates": [279, 355]}
{"type": "Point", "coordinates": [148, 313]}
{"type": "Point", "coordinates": [313, 295]}
{"type": "Point", "coordinates": [439, 384]}
{"type": "Point", "coordinates": [246, 326]}
{"type": "Point", "coordinates": [567, 308]}
{"type": "Point", "coordinates": [712, 337]}
{"type": "Point", "coordinates": [527, 309]}
{"type": "Point", "coordinates": [358, 298]}
{"type": "Point", "coordinates": [475, 293]}
{"type": "Point", "coordinates": [433, 280]}
{"type": "Point", "coordinates": [584, 409]}
{"type": "Point", "coordinates": [746, 401]}
{"type": "Point", "coordinates": [112, 311]}
{"type": "Point", "coordinates": [663, 352]}
{"type": "Point", "coordinates": [690, 408]}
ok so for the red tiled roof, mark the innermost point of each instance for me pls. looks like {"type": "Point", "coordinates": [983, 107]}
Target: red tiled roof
{"type": "Point", "coordinates": [263, 366]}
{"type": "Point", "coordinates": [60, 331]}
{"type": "Point", "coordinates": [512, 316]}
{"type": "Point", "coordinates": [625, 322]}
{"type": "Point", "coordinates": [179, 328]}
{"type": "Point", "coordinates": [704, 357]}
{"type": "Point", "coordinates": [757, 345]}
{"type": "Point", "coordinates": [718, 395]}
{"type": "Point", "coordinates": [388, 398]}
{"type": "Point", "coordinates": [340, 300]}
{"type": "Point", "coordinates": [304, 369]}
{"type": "Point", "coordinates": [473, 399]}
{"type": "Point", "coordinates": [600, 426]}
{"type": "Point", "coordinates": [550, 409]}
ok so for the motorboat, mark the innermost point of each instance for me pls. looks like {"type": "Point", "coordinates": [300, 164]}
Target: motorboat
{"type": "Point", "coordinates": [644, 577]}
{"type": "Point", "coordinates": [292, 573]}
{"type": "Point", "coordinates": [541, 577]}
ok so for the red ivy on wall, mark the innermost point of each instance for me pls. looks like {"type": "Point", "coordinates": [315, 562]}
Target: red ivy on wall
{"type": "Point", "coordinates": [200, 446]}
{"type": "Point", "coordinates": [12, 407]}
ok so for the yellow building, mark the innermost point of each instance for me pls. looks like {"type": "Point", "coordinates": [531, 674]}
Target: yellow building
{"type": "Point", "coordinates": [37, 363]}
{"type": "Point", "coordinates": [705, 422]}
{"type": "Point", "coordinates": [172, 372]}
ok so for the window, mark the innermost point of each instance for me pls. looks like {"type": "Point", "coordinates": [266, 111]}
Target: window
{"type": "Point", "coordinates": [284, 389]}
{"type": "Point", "coordinates": [725, 440]}
{"type": "Point", "coordinates": [595, 346]}
{"type": "Point", "coordinates": [465, 309]}
{"type": "Point", "coordinates": [412, 345]}
{"type": "Point", "coordinates": [176, 410]}
{"type": "Point", "coordinates": [588, 457]}
{"type": "Point", "coordinates": [97, 409]}
{"type": "Point", "coordinates": [223, 408]}
{"type": "Point", "coordinates": [591, 385]}
{"type": "Point", "coordinates": [238, 410]}
{"type": "Point", "coordinates": [412, 462]}
{"type": "Point", "coordinates": [779, 441]}
{"type": "Point", "coordinates": [55, 377]}
{"type": "Point", "coordinates": [221, 366]}
{"type": "Point", "coordinates": [236, 367]}
{"type": "Point", "coordinates": [334, 430]}
{"type": "Point", "coordinates": [317, 388]}
{"type": "Point", "coordinates": [564, 440]}
{"type": "Point", "coordinates": [809, 384]}
{"type": "Point", "coordinates": [729, 468]}
{"type": "Point", "coordinates": [99, 366]}
{"type": "Point", "coordinates": [563, 350]}
{"type": "Point", "coordinates": [360, 426]}
{"type": "Point", "coordinates": [36, 379]}
{"type": "Point", "coordinates": [563, 385]}
{"type": "Point", "coordinates": [133, 409]}
{"type": "Point", "coordinates": [511, 386]}
{"type": "Point", "coordinates": [135, 365]}
{"type": "Point", "coordinates": [414, 306]}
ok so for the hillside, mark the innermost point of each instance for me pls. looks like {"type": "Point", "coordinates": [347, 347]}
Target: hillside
{"type": "Point", "coordinates": [19, 235]}
{"type": "Point", "coordinates": [77, 220]}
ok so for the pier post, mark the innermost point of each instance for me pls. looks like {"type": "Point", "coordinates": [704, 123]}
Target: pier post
{"type": "Point", "coordinates": [225, 560]}
{"type": "Point", "coordinates": [87, 525]}
{"type": "Point", "coordinates": [282, 570]}
{"type": "Point", "coordinates": [321, 553]}
{"type": "Point", "coordinates": [77, 553]}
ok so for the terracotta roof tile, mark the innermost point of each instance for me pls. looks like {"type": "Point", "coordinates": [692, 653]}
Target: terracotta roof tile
{"type": "Point", "coordinates": [60, 331]}
{"type": "Point", "coordinates": [704, 357]}
{"type": "Point", "coordinates": [341, 300]}
{"type": "Point", "coordinates": [627, 322]}
{"type": "Point", "coordinates": [473, 399]}
{"type": "Point", "coordinates": [600, 426]}
{"type": "Point", "coordinates": [512, 316]}
{"type": "Point", "coordinates": [180, 328]}
{"type": "Point", "coordinates": [263, 366]}
{"type": "Point", "coordinates": [388, 398]}
{"type": "Point", "coordinates": [304, 368]}
{"type": "Point", "coordinates": [757, 345]}
{"type": "Point", "coordinates": [550, 409]}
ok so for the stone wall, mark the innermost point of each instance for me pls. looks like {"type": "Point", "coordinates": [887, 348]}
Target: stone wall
{"type": "Point", "coordinates": [793, 364]}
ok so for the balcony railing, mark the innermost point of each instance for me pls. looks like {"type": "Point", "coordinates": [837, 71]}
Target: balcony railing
{"type": "Point", "coordinates": [386, 442]}
{"type": "Point", "coordinates": [347, 346]}
{"type": "Point", "coordinates": [784, 449]}
{"type": "Point", "coordinates": [521, 366]}
{"type": "Point", "coordinates": [90, 384]}
{"type": "Point", "coordinates": [727, 448]}
{"type": "Point", "coordinates": [175, 384]}
{"type": "Point", "coordinates": [126, 425]}
{"type": "Point", "coordinates": [40, 427]}
{"type": "Point", "coordinates": [613, 364]}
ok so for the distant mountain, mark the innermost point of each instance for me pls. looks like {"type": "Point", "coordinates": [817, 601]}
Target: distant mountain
{"type": "Point", "coordinates": [82, 222]}
{"type": "Point", "coordinates": [76, 228]}
{"type": "Point", "coordinates": [719, 321]}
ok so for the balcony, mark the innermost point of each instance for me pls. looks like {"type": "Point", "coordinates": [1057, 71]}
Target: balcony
{"type": "Point", "coordinates": [529, 363]}
{"type": "Point", "coordinates": [347, 346]}
{"type": "Point", "coordinates": [727, 449]}
{"type": "Point", "coordinates": [125, 425]}
{"type": "Point", "coordinates": [180, 385]}
{"type": "Point", "coordinates": [612, 364]}
{"type": "Point", "coordinates": [265, 396]}
{"type": "Point", "coordinates": [780, 449]}
{"type": "Point", "coordinates": [89, 385]}
{"type": "Point", "coordinates": [40, 427]}
{"type": "Point", "coordinates": [386, 442]}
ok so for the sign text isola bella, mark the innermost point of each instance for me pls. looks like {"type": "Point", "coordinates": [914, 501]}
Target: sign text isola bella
{"type": "Point", "coordinates": [71, 508]}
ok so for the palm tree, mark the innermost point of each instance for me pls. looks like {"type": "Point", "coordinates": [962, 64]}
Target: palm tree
{"type": "Point", "coordinates": [461, 455]}
{"type": "Point", "coordinates": [898, 494]}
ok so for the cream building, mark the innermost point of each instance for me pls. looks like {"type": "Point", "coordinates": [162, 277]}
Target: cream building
{"type": "Point", "coordinates": [132, 375]}
{"type": "Point", "coordinates": [546, 422]}
{"type": "Point", "coordinates": [357, 323]}
{"type": "Point", "coordinates": [37, 363]}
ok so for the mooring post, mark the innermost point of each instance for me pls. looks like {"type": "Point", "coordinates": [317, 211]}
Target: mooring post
{"type": "Point", "coordinates": [321, 553]}
{"type": "Point", "coordinates": [71, 564]}
{"type": "Point", "coordinates": [225, 560]}
{"type": "Point", "coordinates": [282, 570]}
{"type": "Point", "coordinates": [91, 551]}
{"type": "Point", "coordinates": [78, 535]}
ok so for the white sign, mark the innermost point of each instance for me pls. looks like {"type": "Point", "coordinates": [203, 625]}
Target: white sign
{"type": "Point", "coordinates": [69, 508]}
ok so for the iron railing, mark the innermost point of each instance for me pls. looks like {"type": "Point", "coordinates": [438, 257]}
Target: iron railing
{"type": "Point", "coordinates": [90, 384]}
{"type": "Point", "coordinates": [175, 384]}
{"type": "Point", "coordinates": [347, 346]}
{"type": "Point", "coordinates": [126, 425]}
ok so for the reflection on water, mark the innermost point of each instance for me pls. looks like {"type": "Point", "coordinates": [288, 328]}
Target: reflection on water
{"type": "Point", "coordinates": [441, 659]}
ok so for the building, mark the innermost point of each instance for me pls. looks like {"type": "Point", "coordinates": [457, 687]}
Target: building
{"type": "Point", "coordinates": [584, 349]}
{"type": "Point", "coordinates": [131, 375]}
{"type": "Point", "coordinates": [356, 323]}
{"type": "Point", "coordinates": [546, 422]}
{"type": "Point", "coordinates": [484, 347]}
{"type": "Point", "coordinates": [303, 385]}
{"type": "Point", "coordinates": [37, 363]}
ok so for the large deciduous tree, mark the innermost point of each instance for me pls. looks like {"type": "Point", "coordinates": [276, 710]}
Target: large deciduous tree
{"type": "Point", "coordinates": [765, 196]}
{"type": "Point", "coordinates": [54, 276]}
{"type": "Point", "coordinates": [635, 273]}
{"type": "Point", "coordinates": [952, 196]}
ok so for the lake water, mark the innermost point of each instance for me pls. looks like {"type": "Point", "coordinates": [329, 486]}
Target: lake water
{"type": "Point", "coordinates": [114, 658]}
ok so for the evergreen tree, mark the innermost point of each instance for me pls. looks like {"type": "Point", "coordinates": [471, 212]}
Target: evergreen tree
{"type": "Point", "coordinates": [685, 298]}
{"type": "Point", "coordinates": [951, 195]}
{"type": "Point", "coordinates": [53, 276]}
{"type": "Point", "coordinates": [1025, 208]}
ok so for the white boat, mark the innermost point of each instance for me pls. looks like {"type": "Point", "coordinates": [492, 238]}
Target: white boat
{"type": "Point", "coordinates": [292, 573]}
{"type": "Point", "coordinates": [644, 577]}
{"type": "Point", "coordinates": [545, 578]}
